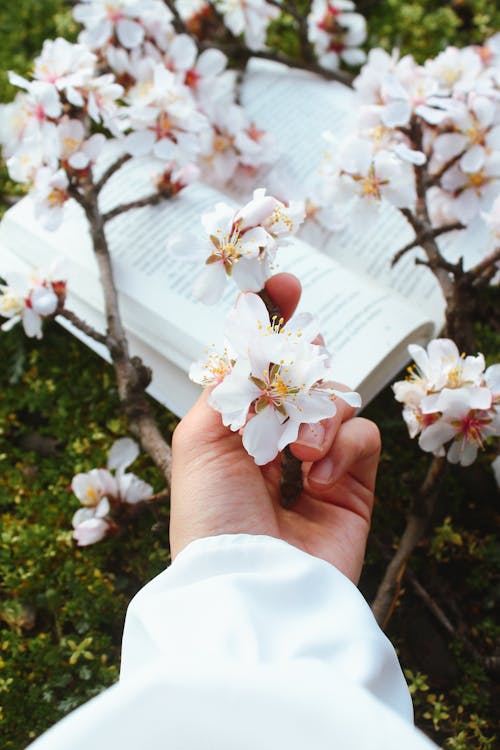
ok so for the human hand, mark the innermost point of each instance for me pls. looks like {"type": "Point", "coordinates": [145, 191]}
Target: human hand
{"type": "Point", "coordinates": [218, 489]}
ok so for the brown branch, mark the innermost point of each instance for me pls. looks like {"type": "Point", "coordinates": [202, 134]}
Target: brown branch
{"type": "Point", "coordinates": [416, 527]}
{"type": "Point", "coordinates": [101, 338]}
{"type": "Point", "coordinates": [434, 179]}
{"type": "Point", "coordinates": [331, 75]}
{"type": "Point", "coordinates": [132, 376]}
{"type": "Point", "coordinates": [157, 497]}
{"type": "Point", "coordinates": [490, 663]}
{"type": "Point", "coordinates": [485, 264]}
{"type": "Point", "coordinates": [149, 200]}
{"type": "Point", "coordinates": [178, 23]}
{"type": "Point", "coordinates": [110, 171]}
{"type": "Point", "coordinates": [423, 236]}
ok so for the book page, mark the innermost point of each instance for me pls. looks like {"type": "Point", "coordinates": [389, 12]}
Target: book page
{"type": "Point", "coordinates": [169, 384]}
{"type": "Point", "coordinates": [296, 107]}
{"type": "Point", "coordinates": [362, 321]}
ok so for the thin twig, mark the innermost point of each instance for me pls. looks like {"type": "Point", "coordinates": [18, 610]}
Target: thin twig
{"type": "Point", "coordinates": [149, 200]}
{"type": "Point", "coordinates": [178, 23]}
{"type": "Point", "coordinates": [490, 663]}
{"type": "Point", "coordinates": [421, 237]}
{"type": "Point", "coordinates": [485, 264]}
{"type": "Point", "coordinates": [415, 529]}
{"type": "Point", "coordinates": [110, 171]}
{"type": "Point", "coordinates": [101, 338]}
{"type": "Point", "coordinates": [434, 179]}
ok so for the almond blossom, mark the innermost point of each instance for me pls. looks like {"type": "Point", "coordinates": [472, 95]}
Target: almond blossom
{"type": "Point", "coordinates": [248, 17]}
{"type": "Point", "coordinates": [336, 33]}
{"type": "Point", "coordinates": [99, 491]}
{"type": "Point", "coordinates": [240, 243]}
{"type": "Point", "coordinates": [128, 20]}
{"type": "Point", "coordinates": [450, 399]}
{"type": "Point", "coordinates": [270, 378]}
{"type": "Point", "coordinates": [31, 299]}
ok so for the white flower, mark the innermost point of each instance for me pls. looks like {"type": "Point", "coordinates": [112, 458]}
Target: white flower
{"type": "Point", "coordinates": [164, 118]}
{"type": "Point", "coordinates": [241, 244]}
{"type": "Point", "coordinates": [93, 486]}
{"type": "Point", "coordinates": [103, 19]}
{"type": "Point", "coordinates": [90, 525]}
{"type": "Point", "coordinates": [450, 399]}
{"type": "Point", "coordinates": [49, 196]}
{"type": "Point", "coordinates": [65, 66]}
{"type": "Point", "coordinates": [248, 17]}
{"type": "Point", "coordinates": [368, 175]}
{"type": "Point", "coordinates": [99, 490]}
{"type": "Point", "coordinates": [27, 300]}
{"type": "Point", "coordinates": [75, 149]}
{"type": "Point", "coordinates": [336, 33]}
{"type": "Point", "coordinates": [130, 489]}
{"type": "Point", "coordinates": [274, 381]}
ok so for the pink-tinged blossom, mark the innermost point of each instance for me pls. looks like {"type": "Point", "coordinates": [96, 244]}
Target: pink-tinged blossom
{"type": "Point", "coordinates": [50, 193]}
{"type": "Point", "coordinates": [239, 243]}
{"type": "Point", "coordinates": [31, 299]}
{"type": "Point", "coordinates": [234, 143]}
{"type": "Point", "coordinates": [65, 66]}
{"type": "Point", "coordinates": [368, 176]}
{"type": "Point", "coordinates": [99, 490]}
{"type": "Point", "coordinates": [127, 21]}
{"type": "Point", "coordinates": [248, 17]}
{"type": "Point", "coordinates": [450, 401]}
{"type": "Point", "coordinates": [336, 32]}
{"type": "Point", "coordinates": [274, 380]}
{"type": "Point", "coordinates": [78, 151]}
{"type": "Point", "coordinates": [164, 118]}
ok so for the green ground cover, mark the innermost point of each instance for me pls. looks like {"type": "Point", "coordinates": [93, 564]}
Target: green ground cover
{"type": "Point", "coordinates": [62, 608]}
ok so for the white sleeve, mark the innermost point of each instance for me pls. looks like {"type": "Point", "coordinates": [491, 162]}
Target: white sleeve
{"type": "Point", "coordinates": [245, 642]}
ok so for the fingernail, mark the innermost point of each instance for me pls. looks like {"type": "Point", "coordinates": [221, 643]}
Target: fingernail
{"type": "Point", "coordinates": [322, 471]}
{"type": "Point", "coordinates": [311, 435]}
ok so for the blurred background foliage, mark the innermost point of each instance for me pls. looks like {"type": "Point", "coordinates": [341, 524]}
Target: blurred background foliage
{"type": "Point", "coordinates": [62, 608]}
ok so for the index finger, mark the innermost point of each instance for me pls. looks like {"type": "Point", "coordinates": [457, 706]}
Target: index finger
{"type": "Point", "coordinates": [284, 290]}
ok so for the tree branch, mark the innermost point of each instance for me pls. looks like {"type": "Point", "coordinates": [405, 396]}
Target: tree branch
{"type": "Point", "coordinates": [101, 338]}
{"type": "Point", "coordinates": [490, 663]}
{"type": "Point", "coordinates": [131, 374]}
{"type": "Point", "coordinates": [416, 527]}
{"type": "Point", "coordinates": [149, 200]}
{"type": "Point", "coordinates": [485, 265]}
{"type": "Point", "coordinates": [110, 171]}
{"type": "Point", "coordinates": [423, 236]}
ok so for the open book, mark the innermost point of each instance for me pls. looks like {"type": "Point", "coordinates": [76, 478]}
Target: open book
{"type": "Point", "coordinates": [368, 312]}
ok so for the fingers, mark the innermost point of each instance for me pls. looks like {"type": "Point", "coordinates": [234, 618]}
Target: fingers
{"type": "Point", "coordinates": [315, 440]}
{"type": "Point", "coordinates": [284, 290]}
{"type": "Point", "coordinates": [354, 453]}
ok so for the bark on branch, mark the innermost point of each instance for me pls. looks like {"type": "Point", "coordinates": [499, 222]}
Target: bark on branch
{"type": "Point", "coordinates": [149, 200]}
{"type": "Point", "coordinates": [416, 527]}
{"type": "Point", "coordinates": [132, 375]}
{"type": "Point", "coordinates": [101, 338]}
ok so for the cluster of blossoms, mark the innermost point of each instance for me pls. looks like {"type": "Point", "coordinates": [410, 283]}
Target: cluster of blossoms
{"type": "Point", "coordinates": [270, 378]}
{"type": "Point", "coordinates": [241, 244]}
{"type": "Point", "coordinates": [180, 105]}
{"type": "Point", "coordinates": [132, 75]}
{"type": "Point", "coordinates": [450, 400]}
{"type": "Point", "coordinates": [336, 31]}
{"type": "Point", "coordinates": [442, 118]}
{"type": "Point", "coordinates": [30, 300]}
{"type": "Point", "coordinates": [100, 491]}
{"type": "Point", "coordinates": [45, 131]}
